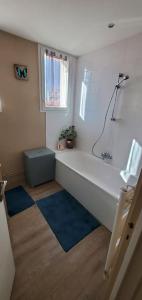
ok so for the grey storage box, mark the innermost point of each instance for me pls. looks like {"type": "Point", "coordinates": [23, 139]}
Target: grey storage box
{"type": "Point", "coordinates": [39, 166]}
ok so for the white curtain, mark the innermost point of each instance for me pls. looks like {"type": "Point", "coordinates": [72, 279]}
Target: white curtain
{"type": "Point", "coordinates": [56, 68]}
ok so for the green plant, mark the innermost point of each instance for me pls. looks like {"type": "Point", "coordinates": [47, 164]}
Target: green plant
{"type": "Point", "coordinates": [68, 133]}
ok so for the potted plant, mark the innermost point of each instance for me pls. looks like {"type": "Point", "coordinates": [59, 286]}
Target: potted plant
{"type": "Point", "coordinates": [69, 134]}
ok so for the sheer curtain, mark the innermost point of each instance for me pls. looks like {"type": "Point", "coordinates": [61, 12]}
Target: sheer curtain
{"type": "Point", "coordinates": [56, 68]}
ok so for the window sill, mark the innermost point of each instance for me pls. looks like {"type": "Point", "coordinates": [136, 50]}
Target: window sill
{"type": "Point", "coordinates": [54, 109]}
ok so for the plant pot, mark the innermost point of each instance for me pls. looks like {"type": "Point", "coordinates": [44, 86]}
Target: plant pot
{"type": "Point", "coordinates": [69, 144]}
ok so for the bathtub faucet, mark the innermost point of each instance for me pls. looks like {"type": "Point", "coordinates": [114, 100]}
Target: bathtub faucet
{"type": "Point", "coordinates": [106, 155]}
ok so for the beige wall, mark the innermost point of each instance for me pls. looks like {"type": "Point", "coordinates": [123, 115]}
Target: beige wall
{"type": "Point", "coordinates": [22, 125]}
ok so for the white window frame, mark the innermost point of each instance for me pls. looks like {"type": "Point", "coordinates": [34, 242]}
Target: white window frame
{"type": "Point", "coordinates": [41, 52]}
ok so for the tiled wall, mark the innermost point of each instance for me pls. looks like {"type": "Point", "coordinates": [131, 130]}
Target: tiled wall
{"type": "Point", "coordinates": [96, 77]}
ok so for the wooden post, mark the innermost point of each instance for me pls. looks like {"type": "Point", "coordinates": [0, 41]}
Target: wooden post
{"type": "Point", "coordinates": [132, 218]}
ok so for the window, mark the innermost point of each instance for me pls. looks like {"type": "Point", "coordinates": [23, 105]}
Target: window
{"type": "Point", "coordinates": [54, 79]}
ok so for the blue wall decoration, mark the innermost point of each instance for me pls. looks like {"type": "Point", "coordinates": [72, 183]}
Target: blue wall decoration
{"type": "Point", "coordinates": [21, 72]}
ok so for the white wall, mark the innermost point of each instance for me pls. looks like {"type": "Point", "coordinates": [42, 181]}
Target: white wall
{"type": "Point", "coordinates": [57, 120]}
{"type": "Point", "coordinates": [102, 67]}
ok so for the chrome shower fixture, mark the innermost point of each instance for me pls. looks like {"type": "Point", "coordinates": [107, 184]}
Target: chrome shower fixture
{"type": "Point", "coordinates": [106, 155]}
{"type": "Point", "coordinates": [126, 77]}
{"type": "Point", "coordinates": [121, 78]}
{"type": "Point", "coordinates": [122, 75]}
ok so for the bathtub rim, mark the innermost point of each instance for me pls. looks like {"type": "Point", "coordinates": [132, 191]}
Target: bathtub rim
{"type": "Point", "coordinates": [102, 187]}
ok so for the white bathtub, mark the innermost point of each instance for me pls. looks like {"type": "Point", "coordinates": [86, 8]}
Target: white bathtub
{"type": "Point", "coordinates": [95, 184]}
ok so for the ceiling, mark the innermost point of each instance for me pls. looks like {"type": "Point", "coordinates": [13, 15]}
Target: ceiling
{"type": "Point", "coordinates": [74, 26]}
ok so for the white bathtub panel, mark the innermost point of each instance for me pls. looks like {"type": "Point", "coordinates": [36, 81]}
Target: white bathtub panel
{"type": "Point", "coordinates": [97, 201]}
{"type": "Point", "coordinates": [94, 170]}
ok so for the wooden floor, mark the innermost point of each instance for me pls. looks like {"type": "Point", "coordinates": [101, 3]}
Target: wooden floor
{"type": "Point", "coordinates": [43, 270]}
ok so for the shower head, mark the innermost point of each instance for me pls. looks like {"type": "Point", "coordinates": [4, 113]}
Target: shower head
{"type": "Point", "coordinates": [122, 75]}
{"type": "Point", "coordinates": [123, 78]}
{"type": "Point", "coordinates": [126, 77]}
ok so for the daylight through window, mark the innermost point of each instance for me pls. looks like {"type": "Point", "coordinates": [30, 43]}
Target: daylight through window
{"type": "Point", "coordinates": [56, 69]}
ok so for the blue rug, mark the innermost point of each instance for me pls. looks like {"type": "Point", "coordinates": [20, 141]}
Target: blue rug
{"type": "Point", "coordinates": [17, 200]}
{"type": "Point", "coordinates": [69, 220]}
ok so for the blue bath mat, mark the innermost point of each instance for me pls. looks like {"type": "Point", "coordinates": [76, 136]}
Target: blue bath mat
{"type": "Point", "coordinates": [69, 220]}
{"type": "Point", "coordinates": [17, 200]}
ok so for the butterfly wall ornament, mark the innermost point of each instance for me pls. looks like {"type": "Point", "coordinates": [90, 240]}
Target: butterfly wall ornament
{"type": "Point", "coordinates": [21, 72]}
